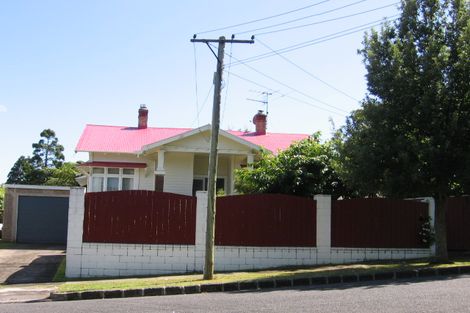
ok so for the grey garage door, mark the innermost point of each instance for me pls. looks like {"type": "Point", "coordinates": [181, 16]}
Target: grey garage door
{"type": "Point", "coordinates": [42, 220]}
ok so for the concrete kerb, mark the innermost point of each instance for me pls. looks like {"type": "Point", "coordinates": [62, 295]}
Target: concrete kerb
{"type": "Point", "coordinates": [261, 284]}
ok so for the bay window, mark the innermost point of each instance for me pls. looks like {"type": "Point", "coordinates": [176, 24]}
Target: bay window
{"type": "Point", "coordinates": [112, 179]}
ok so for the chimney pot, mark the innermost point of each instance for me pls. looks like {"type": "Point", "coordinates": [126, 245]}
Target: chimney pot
{"type": "Point", "coordinates": [143, 116]}
{"type": "Point", "coordinates": [260, 121]}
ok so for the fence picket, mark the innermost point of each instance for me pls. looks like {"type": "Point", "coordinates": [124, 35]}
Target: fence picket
{"type": "Point", "coordinates": [139, 217]}
{"type": "Point", "coordinates": [458, 223]}
{"type": "Point", "coordinates": [376, 223]}
{"type": "Point", "coordinates": [265, 220]}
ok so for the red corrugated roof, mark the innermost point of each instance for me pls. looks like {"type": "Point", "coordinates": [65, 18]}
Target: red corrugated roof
{"type": "Point", "coordinates": [271, 141]}
{"type": "Point", "coordinates": [99, 138]}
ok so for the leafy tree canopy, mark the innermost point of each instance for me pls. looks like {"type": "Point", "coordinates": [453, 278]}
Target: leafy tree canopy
{"type": "Point", "coordinates": [47, 151]}
{"type": "Point", "coordinates": [2, 202]}
{"type": "Point", "coordinates": [45, 166]}
{"type": "Point", "coordinates": [306, 168]}
{"type": "Point", "coordinates": [64, 175]}
{"type": "Point", "coordinates": [412, 135]}
{"type": "Point", "coordinates": [25, 172]}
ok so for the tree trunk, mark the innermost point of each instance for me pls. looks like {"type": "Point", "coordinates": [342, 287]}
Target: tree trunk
{"type": "Point", "coordinates": [441, 230]}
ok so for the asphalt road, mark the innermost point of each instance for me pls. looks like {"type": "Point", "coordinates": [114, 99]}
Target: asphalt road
{"type": "Point", "coordinates": [440, 295]}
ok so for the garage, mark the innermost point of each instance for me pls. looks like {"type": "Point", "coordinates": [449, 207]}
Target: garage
{"type": "Point", "coordinates": [42, 220]}
{"type": "Point", "coordinates": [36, 214]}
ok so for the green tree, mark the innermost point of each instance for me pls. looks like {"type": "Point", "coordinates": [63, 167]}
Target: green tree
{"type": "Point", "coordinates": [2, 202]}
{"type": "Point", "coordinates": [64, 175]}
{"type": "Point", "coordinates": [306, 168]}
{"type": "Point", "coordinates": [42, 166]}
{"type": "Point", "coordinates": [48, 152]}
{"type": "Point", "coordinates": [24, 172]}
{"type": "Point", "coordinates": [412, 135]}
{"type": "Point", "coordinates": [19, 172]}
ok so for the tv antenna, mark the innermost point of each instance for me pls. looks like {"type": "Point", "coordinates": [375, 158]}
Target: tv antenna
{"type": "Point", "coordinates": [265, 100]}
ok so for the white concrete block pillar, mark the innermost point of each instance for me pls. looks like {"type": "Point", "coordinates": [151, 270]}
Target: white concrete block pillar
{"type": "Point", "coordinates": [323, 228]}
{"type": "Point", "coordinates": [432, 215]}
{"type": "Point", "coordinates": [201, 226]}
{"type": "Point", "coordinates": [75, 231]}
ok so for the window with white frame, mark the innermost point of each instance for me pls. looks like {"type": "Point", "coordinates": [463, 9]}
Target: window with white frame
{"type": "Point", "coordinates": [111, 179]}
{"type": "Point", "coordinates": [201, 183]}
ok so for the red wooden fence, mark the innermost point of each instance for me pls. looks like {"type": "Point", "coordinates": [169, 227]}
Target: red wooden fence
{"type": "Point", "coordinates": [265, 220]}
{"type": "Point", "coordinates": [376, 223]}
{"type": "Point", "coordinates": [458, 223]}
{"type": "Point", "coordinates": [140, 217]}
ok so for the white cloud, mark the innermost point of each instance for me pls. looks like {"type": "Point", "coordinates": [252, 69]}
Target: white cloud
{"type": "Point", "coordinates": [3, 109]}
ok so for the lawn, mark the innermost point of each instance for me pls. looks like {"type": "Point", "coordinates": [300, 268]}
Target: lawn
{"type": "Point", "coordinates": [7, 245]}
{"type": "Point", "coordinates": [196, 279]}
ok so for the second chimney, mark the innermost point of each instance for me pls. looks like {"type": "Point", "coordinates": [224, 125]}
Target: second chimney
{"type": "Point", "coordinates": [143, 116]}
{"type": "Point", "coordinates": [260, 122]}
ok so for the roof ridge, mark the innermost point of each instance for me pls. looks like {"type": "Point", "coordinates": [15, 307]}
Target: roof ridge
{"type": "Point", "coordinates": [267, 133]}
{"type": "Point", "coordinates": [192, 128]}
{"type": "Point", "coordinates": [123, 126]}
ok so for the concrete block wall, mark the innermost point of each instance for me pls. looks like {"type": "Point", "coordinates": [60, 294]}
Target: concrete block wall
{"type": "Point", "coordinates": [101, 260]}
{"type": "Point", "coordinates": [351, 255]}
{"type": "Point", "coordinates": [233, 258]}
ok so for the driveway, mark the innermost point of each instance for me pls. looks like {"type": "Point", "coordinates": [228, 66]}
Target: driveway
{"type": "Point", "coordinates": [24, 264]}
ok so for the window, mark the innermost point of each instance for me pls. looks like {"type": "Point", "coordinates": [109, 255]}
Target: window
{"type": "Point", "coordinates": [201, 184]}
{"type": "Point", "coordinates": [198, 185]}
{"type": "Point", "coordinates": [112, 184]}
{"type": "Point", "coordinates": [97, 184]}
{"type": "Point", "coordinates": [128, 171]}
{"type": "Point", "coordinates": [127, 183]}
{"type": "Point", "coordinates": [113, 171]}
{"type": "Point", "coordinates": [112, 179]}
{"type": "Point", "coordinates": [98, 170]}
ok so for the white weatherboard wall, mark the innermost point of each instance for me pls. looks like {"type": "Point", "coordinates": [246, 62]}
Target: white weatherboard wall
{"type": "Point", "coordinates": [179, 173]}
{"type": "Point", "coordinates": [102, 259]}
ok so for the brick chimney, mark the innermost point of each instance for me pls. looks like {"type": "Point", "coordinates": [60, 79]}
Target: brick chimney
{"type": "Point", "coordinates": [143, 116]}
{"type": "Point", "coordinates": [260, 120]}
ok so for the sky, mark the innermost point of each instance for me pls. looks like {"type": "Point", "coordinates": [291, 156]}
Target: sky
{"type": "Point", "coordinates": [65, 64]}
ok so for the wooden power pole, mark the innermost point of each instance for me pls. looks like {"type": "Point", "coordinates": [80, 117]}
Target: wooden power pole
{"type": "Point", "coordinates": [212, 173]}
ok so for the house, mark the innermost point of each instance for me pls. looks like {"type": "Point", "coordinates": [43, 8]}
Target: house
{"type": "Point", "coordinates": [170, 159]}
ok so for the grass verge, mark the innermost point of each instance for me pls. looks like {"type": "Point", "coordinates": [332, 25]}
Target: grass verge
{"type": "Point", "coordinates": [60, 274]}
{"type": "Point", "coordinates": [7, 245]}
{"type": "Point", "coordinates": [194, 279]}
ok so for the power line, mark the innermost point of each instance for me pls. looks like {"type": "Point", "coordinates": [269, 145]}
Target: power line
{"type": "Point", "coordinates": [227, 84]}
{"type": "Point", "coordinates": [308, 73]}
{"type": "Point", "coordinates": [292, 88]}
{"type": "Point", "coordinates": [250, 81]}
{"type": "Point", "coordinates": [301, 18]}
{"type": "Point", "coordinates": [262, 19]}
{"type": "Point", "coordinates": [313, 105]}
{"type": "Point", "coordinates": [287, 95]}
{"type": "Point", "coordinates": [289, 87]}
{"type": "Point", "coordinates": [315, 41]}
{"type": "Point", "coordinates": [195, 83]}
{"type": "Point", "coordinates": [326, 21]}
{"type": "Point", "coordinates": [281, 96]}
{"type": "Point", "coordinates": [203, 105]}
